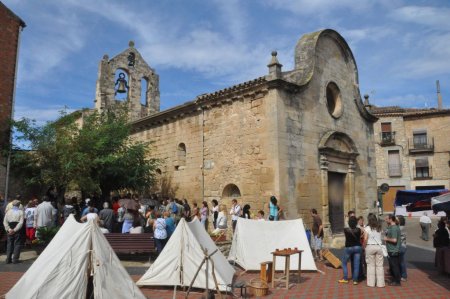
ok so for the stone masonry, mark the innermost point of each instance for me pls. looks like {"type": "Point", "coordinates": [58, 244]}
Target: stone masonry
{"type": "Point", "coordinates": [302, 135]}
{"type": "Point", "coordinates": [404, 122]}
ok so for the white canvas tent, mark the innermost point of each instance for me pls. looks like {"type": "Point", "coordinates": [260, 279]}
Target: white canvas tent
{"type": "Point", "coordinates": [182, 256]}
{"type": "Point", "coordinates": [253, 242]}
{"type": "Point", "coordinates": [61, 271]}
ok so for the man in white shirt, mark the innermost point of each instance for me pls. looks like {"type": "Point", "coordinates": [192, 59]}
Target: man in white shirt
{"type": "Point", "coordinates": [235, 212]}
{"type": "Point", "coordinates": [13, 222]}
{"type": "Point", "coordinates": [425, 224]}
{"type": "Point", "coordinates": [45, 214]}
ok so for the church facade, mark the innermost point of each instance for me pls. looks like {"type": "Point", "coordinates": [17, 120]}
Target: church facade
{"type": "Point", "coordinates": [303, 135]}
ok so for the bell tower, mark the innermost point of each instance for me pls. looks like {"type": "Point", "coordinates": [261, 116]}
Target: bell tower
{"type": "Point", "coordinates": [127, 78]}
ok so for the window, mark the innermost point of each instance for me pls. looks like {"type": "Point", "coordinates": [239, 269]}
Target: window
{"type": "Point", "coordinates": [334, 102]}
{"type": "Point", "coordinates": [387, 136]}
{"type": "Point", "coordinates": [180, 161]}
{"type": "Point", "coordinates": [422, 169]}
{"type": "Point", "coordinates": [420, 139]}
{"type": "Point", "coordinates": [394, 165]}
{"type": "Point", "coordinates": [144, 89]}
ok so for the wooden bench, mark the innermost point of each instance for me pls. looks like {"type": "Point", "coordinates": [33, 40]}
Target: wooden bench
{"type": "Point", "coordinates": [131, 243]}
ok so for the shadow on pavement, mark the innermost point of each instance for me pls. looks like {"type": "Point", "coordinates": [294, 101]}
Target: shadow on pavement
{"type": "Point", "coordinates": [433, 275]}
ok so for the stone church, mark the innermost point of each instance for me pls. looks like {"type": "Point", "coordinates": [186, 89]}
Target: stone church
{"type": "Point", "coordinates": [303, 135]}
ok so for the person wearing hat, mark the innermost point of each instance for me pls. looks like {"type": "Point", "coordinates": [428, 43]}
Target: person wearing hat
{"type": "Point", "coordinates": [10, 204]}
{"type": "Point", "coordinates": [13, 222]}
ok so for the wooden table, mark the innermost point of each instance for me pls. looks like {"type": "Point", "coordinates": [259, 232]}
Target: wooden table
{"type": "Point", "coordinates": [287, 263]}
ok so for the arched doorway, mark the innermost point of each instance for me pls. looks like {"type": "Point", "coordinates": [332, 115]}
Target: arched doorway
{"type": "Point", "coordinates": [337, 166]}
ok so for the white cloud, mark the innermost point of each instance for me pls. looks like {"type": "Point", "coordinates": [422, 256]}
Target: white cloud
{"type": "Point", "coordinates": [375, 34]}
{"type": "Point", "coordinates": [406, 100]}
{"type": "Point", "coordinates": [42, 114]}
{"type": "Point", "coordinates": [319, 7]}
{"type": "Point", "coordinates": [234, 17]}
{"type": "Point", "coordinates": [431, 58]}
{"type": "Point", "coordinates": [435, 17]}
{"type": "Point", "coordinates": [60, 36]}
{"type": "Point", "coordinates": [214, 53]}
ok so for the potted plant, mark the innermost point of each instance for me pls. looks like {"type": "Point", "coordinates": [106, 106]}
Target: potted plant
{"type": "Point", "coordinates": [44, 236]}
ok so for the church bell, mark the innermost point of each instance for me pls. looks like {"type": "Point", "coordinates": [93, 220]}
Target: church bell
{"type": "Point", "coordinates": [121, 84]}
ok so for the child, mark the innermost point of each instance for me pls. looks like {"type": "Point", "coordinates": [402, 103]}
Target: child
{"type": "Point", "coordinates": [260, 215]}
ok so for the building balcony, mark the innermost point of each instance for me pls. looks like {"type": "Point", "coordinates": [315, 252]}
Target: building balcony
{"type": "Point", "coordinates": [425, 146]}
{"type": "Point", "coordinates": [387, 138]}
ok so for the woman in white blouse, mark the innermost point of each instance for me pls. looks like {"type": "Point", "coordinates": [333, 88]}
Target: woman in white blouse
{"type": "Point", "coordinates": [374, 253]}
{"type": "Point", "coordinates": [221, 220]}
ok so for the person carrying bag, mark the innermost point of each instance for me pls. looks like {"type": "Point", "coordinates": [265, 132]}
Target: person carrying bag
{"type": "Point", "coordinates": [374, 253]}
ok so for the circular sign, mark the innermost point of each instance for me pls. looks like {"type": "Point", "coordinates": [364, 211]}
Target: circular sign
{"type": "Point", "coordinates": [384, 187]}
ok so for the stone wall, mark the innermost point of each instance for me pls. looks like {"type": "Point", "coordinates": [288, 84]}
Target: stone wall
{"type": "Point", "coordinates": [233, 141]}
{"type": "Point", "coordinates": [269, 136]}
{"type": "Point", "coordinates": [401, 144]}
{"type": "Point", "coordinates": [307, 120]}
{"type": "Point", "coordinates": [136, 71]}
{"type": "Point", "coordinates": [438, 128]}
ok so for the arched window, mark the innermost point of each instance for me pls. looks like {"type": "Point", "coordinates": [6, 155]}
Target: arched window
{"type": "Point", "coordinates": [231, 191]}
{"type": "Point", "coordinates": [144, 89]}
{"type": "Point", "coordinates": [181, 156]}
{"type": "Point", "coordinates": [121, 84]}
{"type": "Point", "coordinates": [334, 102]}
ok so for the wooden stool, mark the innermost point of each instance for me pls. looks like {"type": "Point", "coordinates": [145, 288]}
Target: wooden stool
{"type": "Point", "coordinates": [266, 271]}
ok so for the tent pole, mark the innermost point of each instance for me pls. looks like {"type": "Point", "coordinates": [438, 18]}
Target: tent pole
{"type": "Point", "coordinates": [205, 252]}
{"type": "Point", "coordinates": [215, 280]}
{"type": "Point", "coordinates": [205, 259]}
{"type": "Point", "coordinates": [195, 276]}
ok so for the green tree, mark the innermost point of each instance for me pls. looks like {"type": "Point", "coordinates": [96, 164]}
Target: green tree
{"type": "Point", "coordinates": [97, 157]}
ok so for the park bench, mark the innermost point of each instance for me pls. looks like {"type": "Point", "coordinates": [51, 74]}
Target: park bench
{"type": "Point", "coordinates": [131, 243]}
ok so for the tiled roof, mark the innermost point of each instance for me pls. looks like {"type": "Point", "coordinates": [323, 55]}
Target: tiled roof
{"type": "Point", "coordinates": [406, 112]}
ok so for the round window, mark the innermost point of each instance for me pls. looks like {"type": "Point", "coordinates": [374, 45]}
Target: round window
{"type": "Point", "coordinates": [334, 102]}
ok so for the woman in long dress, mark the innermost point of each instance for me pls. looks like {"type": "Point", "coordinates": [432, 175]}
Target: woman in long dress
{"type": "Point", "coordinates": [204, 212]}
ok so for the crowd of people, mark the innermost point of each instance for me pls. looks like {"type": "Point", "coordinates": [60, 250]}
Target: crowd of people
{"type": "Point", "coordinates": [366, 246]}
{"type": "Point", "coordinates": [159, 216]}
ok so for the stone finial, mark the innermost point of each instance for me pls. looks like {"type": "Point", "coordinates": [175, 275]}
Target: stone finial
{"type": "Point", "coordinates": [105, 57]}
{"type": "Point", "coordinates": [131, 44]}
{"type": "Point", "coordinates": [274, 66]}
{"type": "Point", "coordinates": [274, 60]}
{"type": "Point", "coordinates": [366, 100]}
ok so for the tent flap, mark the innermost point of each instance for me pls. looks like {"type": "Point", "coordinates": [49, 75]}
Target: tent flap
{"type": "Point", "coordinates": [253, 242]}
{"type": "Point", "coordinates": [184, 250]}
{"type": "Point", "coordinates": [61, 271]}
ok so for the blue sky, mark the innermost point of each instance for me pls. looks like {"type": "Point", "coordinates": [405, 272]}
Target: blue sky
{"type": "Point", "coordinates": [401, 47]}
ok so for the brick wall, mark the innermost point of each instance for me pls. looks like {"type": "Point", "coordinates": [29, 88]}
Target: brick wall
{"type": "Point", "coordinates": [10, 26]}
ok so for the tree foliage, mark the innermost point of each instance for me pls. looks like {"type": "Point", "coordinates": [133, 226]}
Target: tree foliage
{"type": "Point", "coordinates": [97, 157]}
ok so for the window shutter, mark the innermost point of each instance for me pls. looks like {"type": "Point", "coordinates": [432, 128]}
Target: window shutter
{"type": "Point", "coordinates": [422, 162]}
{"type": "Point", "coordinates": [386, 127]}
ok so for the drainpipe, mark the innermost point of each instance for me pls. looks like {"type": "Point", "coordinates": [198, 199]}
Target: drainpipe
{"type": "Point", "coordinates": [203, 153]}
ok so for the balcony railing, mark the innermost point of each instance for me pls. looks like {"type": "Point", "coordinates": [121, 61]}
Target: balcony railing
{"type": "Point", "coordinates": [424, 146]}
{"type": "Point", "coordinates": [395, 170]}
{"type": "Point", "coordinates": [422, 173]}
{"type": "Point", "coordinates": [387, 138]}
